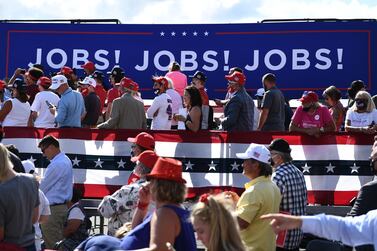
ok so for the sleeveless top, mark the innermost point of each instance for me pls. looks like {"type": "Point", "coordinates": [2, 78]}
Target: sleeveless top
{"type": "Point", "coordinates": [18, 115]}
{"type": "Point", "coordinates": [139, 237]}
{"type": "Point", "coordinates": [188, 118]}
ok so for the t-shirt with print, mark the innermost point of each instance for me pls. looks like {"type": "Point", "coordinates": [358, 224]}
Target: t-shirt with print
{"type": "Point", "coordinates": [162, 105]}
{"type": "Point", "coordinates": [318, 119]}
{"type": "Point", "coordinates": [361, 119]}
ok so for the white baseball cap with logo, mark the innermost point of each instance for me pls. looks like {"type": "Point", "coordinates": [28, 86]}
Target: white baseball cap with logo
{"type": "Point", "coordinates": [257, 152]}
{"type": "Point", "coordinates": [88, 81]}
{"type": "Point", "coordinates": [57, 81]}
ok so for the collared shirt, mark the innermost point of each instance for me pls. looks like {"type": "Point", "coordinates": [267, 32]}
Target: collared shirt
{"type": "Point", "coordinates": [261, 196]}
{"type": "Point", "coordinates": [351, 231]}
{"type": "Point", "coordinates": [57, 182]}
{"type": "Point", "coordinates": [291, 183]}
{"type": "Point", "coordinates": [121, 205]}
{"type": "Point", "coordinates": [70, 108]}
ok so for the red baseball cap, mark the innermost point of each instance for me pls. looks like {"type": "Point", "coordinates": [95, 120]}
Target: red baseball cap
{"type": "Point", "coordinates": [148, 158]}
{"type": "Point", "coordinates": [89, 66]}
{"type": "Point", "coordinates": [136, 86]}
{"type": "Point", "coordinates": [2, 85]}
{"type": "Point", "coordinates": [309, 97]}
{"type": "Point", "coordinates": [44, 81]}
{"type": "Point", "coordinates": [65, 70]}
{"type": "Point", "coordinates": [167, 169]}
{"type": "Point", "coordinates": [162, 80]}
{"type": "Point", "coordinates": [237, 77]}
{"type": "Point", "coordinates": [128, 84]}
{"type": "Point", "coordinates": [143, 139]}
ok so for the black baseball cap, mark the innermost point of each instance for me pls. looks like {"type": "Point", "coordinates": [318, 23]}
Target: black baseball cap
{"type": "Point", "coordinates": [279, 145]}
{"type": "Point", "coordinates": [200, 75]}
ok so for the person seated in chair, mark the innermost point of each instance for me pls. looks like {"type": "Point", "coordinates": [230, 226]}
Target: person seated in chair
{"type": "Point", "coordinates": [76, 225]}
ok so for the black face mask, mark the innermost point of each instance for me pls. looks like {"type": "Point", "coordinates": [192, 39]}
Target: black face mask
{"type": "Point", "coordinates": [306, 109]}
{"type": "Point", "coordinates": [361, 104]}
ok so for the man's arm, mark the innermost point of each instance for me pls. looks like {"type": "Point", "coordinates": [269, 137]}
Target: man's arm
{"type": "Point", "coordinates": [352, 231]}
{"type": "Point", "coordinates": [61, 113]}
{"type": "Point", "coordinates": [262, 118]}
{"type": "Point", "coordinates": [153, 109]}
{"type": "Point", "coordinates": [233, 111]}
{"type": "Point", "coordinates": [7, 107]}
{"type": "Point", "coordinates": [365, 198]}
{"type": "Point", "coordinates": [114, 118]}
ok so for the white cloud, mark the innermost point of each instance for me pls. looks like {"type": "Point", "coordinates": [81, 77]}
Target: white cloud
{"type": "Point", "coordinates": [186, 11]}
{"type": "Point", "coordinates": [342, 9]}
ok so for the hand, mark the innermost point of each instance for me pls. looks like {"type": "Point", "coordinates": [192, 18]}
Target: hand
{"type": "Point", "coordinates": [280, 222]}
{"type": "Point", "coordinates": [19, 71]}
{"type": "Point", "coordinates": [145, 194]}
{"type": "Point", "coordinates": [218, 102]}
{"type": "Point", "coordinates": [369, 130]}
{"type": "Point", "coordinates": [178, 117]}
{"type": "Point", "coordinates": [314, 131]}
{"type": "Point", "coordinates": [52, 110]}
{"type": "Point", "coordinates": [217, 121]}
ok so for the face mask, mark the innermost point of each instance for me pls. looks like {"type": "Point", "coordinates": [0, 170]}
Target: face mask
{"type": "Point", "coordinates": [361, 104]}
{"type": "Point", "coordinates": [272, 162]}
{"type": "Point", "coordinates": [306, 109]}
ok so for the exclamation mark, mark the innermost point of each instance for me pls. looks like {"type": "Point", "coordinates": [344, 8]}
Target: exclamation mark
{"type": "Point", "coordinates": [340, 59]}
{"type": "Point", "coordinates": [226, 60]}
{"type": "Point", "coordinates": [117, 56]}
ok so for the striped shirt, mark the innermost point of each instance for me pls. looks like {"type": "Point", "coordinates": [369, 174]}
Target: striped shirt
{"type": "Point", "coordinates": [291, 183]}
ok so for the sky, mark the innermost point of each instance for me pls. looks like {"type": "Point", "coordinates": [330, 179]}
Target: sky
{"type": "Point", "coordinates": [187, 11]}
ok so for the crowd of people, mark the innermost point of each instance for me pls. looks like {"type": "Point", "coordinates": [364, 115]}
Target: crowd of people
{"type": "Point", "coordinates": [31, 98]}
{"type": "Point", "coordinates": [147, 213]}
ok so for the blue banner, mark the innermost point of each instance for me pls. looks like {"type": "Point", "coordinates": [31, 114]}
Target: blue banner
{"type": "Point", "coordinates": [304, 56]}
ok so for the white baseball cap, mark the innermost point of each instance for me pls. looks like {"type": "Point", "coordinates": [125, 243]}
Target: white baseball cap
{"type": "Point", "coordinates": [88, 81]}
{"type": "Point", "coordinates": [28, 166]}
{"type": "Point", "coordinates": [57, 81]}
{"type": "Point", "coordinates": [257, 152]}
{"type": "Point", "coordinates": [260, 92]}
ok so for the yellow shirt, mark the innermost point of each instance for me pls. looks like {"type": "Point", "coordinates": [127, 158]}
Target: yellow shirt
{"type": "Point", "coordinates": [261, 197]}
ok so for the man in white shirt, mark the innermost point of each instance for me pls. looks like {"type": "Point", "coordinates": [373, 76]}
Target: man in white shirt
{"type": "Point", "coordinates": [41, 116]}
{"type": "Point", "coordinates": [176, 100]}
{"type": "Point", "coordinates": [351, 231]}
{"type": "Point", "coordinates": [161, 109]}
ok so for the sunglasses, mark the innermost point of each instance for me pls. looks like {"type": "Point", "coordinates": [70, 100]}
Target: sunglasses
{"type": "Point", "coordinates": [43, 149]}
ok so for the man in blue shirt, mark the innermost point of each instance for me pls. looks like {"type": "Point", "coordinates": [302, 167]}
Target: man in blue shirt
{"type": "Point", "coordinates": [71, 107]}
{"type": "Point", "coordinates": [57, 185]}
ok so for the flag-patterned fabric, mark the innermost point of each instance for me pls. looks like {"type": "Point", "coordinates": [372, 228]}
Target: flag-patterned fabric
{"type": "Point", "coordinates": [335, 165]}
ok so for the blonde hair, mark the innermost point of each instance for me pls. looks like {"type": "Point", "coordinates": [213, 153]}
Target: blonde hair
{"type": "Point", "coordinates": [224, 235]}
{"type": "Point", "coordinates": [5, 163]}
{"type": "Point", "coordinates": [364, 95]}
